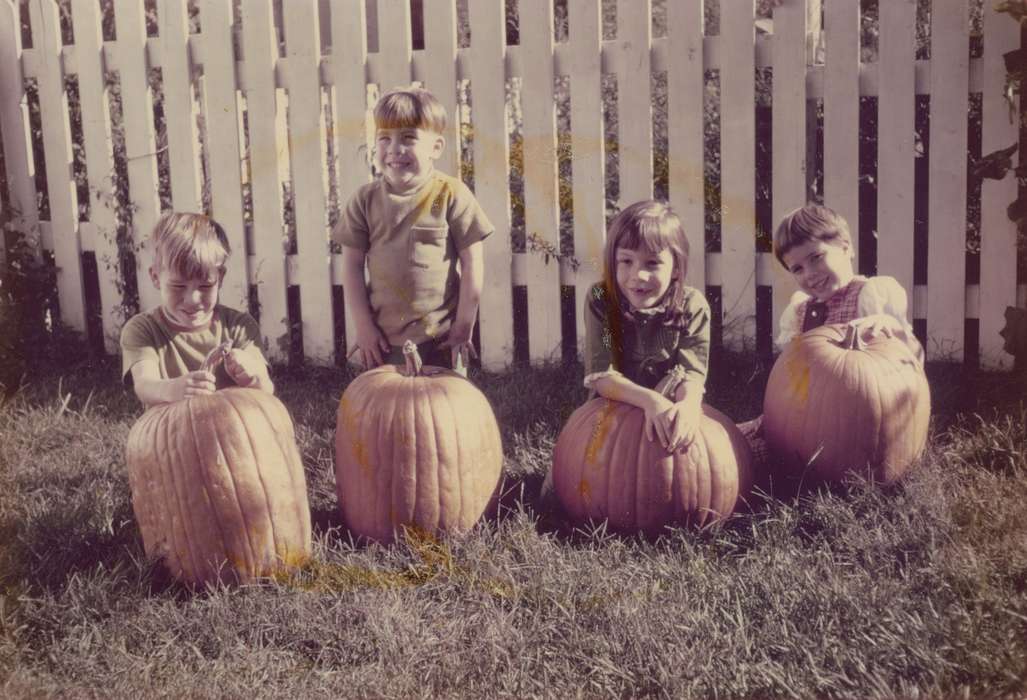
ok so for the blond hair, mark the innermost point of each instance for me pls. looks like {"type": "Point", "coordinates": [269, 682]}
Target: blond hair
{"type": "Point", "coordinates": [410, 108]}
{"type": "Point", "coordinates": [813, 222]}
{"type": "Point", "coordinates": [191, 245]}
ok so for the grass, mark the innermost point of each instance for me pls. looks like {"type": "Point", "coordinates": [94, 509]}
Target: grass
{"type": "Point", "coordinates": [919, 590]}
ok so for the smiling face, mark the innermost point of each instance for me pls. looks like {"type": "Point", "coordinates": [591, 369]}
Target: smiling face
{"type": "Point", "coordinates": [406, 156]}
{"type": "Point", "coordinates": [644, 277]}
{"type": "Point", "coordinates": [820, 268]}
{"type": "Point", "coordinates": [187, 302]}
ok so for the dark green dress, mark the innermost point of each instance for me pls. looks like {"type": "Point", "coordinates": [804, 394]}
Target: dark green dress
{"type": "Point", "coordinates": [645, 345]}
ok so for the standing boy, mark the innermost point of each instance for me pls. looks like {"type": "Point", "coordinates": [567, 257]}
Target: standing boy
{"type": "Point", "coordinates": [409, 227]}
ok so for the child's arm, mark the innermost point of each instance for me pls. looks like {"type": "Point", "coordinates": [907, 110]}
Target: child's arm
{"type": "Point", "coordinates": [472, 276]}
{"type": "Point", "coordinates": [883, 308]}
{"type": "Point", "coordinates": [686, 382]}
{"type": "Point", "coordinates": [370, 342]}
{"type": "Point", "coordinates": [617, 387]}
{"type": "Point", "coordinates": [152, 390]}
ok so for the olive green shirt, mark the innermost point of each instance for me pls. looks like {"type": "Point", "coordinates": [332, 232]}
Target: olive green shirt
{"type": "Point", "coordinates": [645, 345]}
{"type": "Point", "coordinates": [412, 242]}
{"type": "Point", "coordinates": [148, 336]}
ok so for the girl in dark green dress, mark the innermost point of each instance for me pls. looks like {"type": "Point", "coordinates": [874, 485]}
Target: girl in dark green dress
{"type": "Point", "coordinates": [647, 333]}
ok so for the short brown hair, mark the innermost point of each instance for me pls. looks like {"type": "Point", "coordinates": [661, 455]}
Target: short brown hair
{"type": "Point", "coordinates": [192, 245]}
{"type": "Point", "coordinates": [809, 223]}
{"type": "Point", "coordinates": [410, 108]}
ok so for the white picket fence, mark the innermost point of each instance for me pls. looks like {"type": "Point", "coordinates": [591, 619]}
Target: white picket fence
{"type": "Point", "coordinates": [237, 64]}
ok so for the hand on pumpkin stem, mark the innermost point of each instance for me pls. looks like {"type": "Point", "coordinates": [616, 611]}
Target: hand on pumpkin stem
{"type": "Point", "coordinates": [242, 367]}
{"type": "Point", "coordinates": [198, 383]}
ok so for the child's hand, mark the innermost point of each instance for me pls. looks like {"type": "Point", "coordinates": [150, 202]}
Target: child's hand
{"type": "Point", "coordinates": [682, 426]}
{"type": "Point", "coordinates": [459, 343]}
{"type": "Point", "coordinates": [242, 367]}
{"type": "Point", "coordinates": [369, 346]}
{"type": "Point", "coordinates": [870, 327]}
{"type": "Point", "coordinates": [676, 426]}
{"type": "Point", "coordinates": [198, 383]}
{"type": "Point", "coordinates": [655, 425]}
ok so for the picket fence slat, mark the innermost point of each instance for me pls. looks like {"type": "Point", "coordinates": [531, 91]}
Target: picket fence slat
{"type": "Point", "coordinates": [491, 177]}
{"type": "Point", "coordinates": [14, 128]}
{"type": "Point", "coordinates": [352, 121]}
{"type": "Point", "coordinates": [140, 146]}
{"type": "Point", "coordinates": [221, 102]}
{"type": "Point", "coordinates": [439, 74]}
{"type": "Point", "coordinates": [634, 100]}
{"type": "Point", "coordinates": [998, 233]}
{"type": "Point", "coordinates": [685, 89]}
{"type": "Point", "coordinates": [738, 165]}
{"type": "Point", "coordinates": [841, 114]}
{"type": "Point", "coordinates": [588, 150]}
{"type": "Point", "coordinates": [788, 140]}
{"type": "Point", "coordinates": [541, 215]}
{"type": "Point", "coordinates": [896, 108]}
{"type": "Point", "coordinates": [394, 44]}
{"type": "Point", "coordinates": [53, 100]}
{"type": "Point", "coordinates": [946, 249]}
{"type": "Point", "coordinates": [179, 106]}
{"type": "Point", "coordinates": [268, 270]}
{"type": "Point", "coordinates": [306, 156]}
{"type": "Point", "coordinates": [99, 157]}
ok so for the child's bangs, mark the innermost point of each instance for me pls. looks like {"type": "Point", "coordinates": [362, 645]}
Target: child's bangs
{"type": "Point", "coordinates": [397, 114]}
{"type": "Point", "coordinates": [199, 259]}
{"type": "Point", "coordinates": [406, 110]}
{"type": "Point", "coordinates": [650, 235]}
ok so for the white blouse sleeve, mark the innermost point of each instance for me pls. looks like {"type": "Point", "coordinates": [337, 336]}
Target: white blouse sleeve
{"type": "Point", "coordinates": [790, 325]}
{"type": "Point", "coordinates": [884, 295]}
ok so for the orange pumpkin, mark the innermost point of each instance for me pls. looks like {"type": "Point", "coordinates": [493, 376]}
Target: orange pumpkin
{"type": "Point", "coordinates": [604, 468]}
{"type": "Point", "coordinates": [836, 404]}
{"type": "Point", "coordinates": [415, 447]}
{"type": "Point", "coordinates": [218, 487]}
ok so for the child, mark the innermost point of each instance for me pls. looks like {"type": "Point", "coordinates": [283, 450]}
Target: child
{"type": "Point", "coordinates": [647, 334]}
{"type": "Point", "coordinates": [813, 243]}
{"type": "Point", "coordinates": [163, 349]}
{"type": "Point", "coordinates": [411, 226]}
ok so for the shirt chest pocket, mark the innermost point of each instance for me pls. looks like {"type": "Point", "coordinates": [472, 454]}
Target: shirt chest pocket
{"type": "Point", "coordinates": [427, 246]}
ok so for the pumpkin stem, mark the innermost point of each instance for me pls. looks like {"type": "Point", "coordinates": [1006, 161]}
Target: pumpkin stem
{"type": "Point", "coordinates": [216, 356]}
{"type": "Point", "coordinates": [412, 358]}
{"type": "Point", "coordinates": [852, 340]}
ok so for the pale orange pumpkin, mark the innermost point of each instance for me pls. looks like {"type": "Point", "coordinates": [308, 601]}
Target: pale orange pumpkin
{"type": "Point", "coordinates": [604, 468]}
{"type": "Point", "coordinates": [218, 487]}
{"type": "Point", "coordinates": [837, 404]}
{"type": "Point", "coordinates": [415, 447]}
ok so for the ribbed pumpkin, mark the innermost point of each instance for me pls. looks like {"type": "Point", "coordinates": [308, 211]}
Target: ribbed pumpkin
{"type": "Point", "coordinates": [837, 404]}
{"type": "Point", "coordinates": [218, 487]}
{"type": "Point", "coordinates": [415, 447]}
{"type": "Point", "coordinates": [604, 468]}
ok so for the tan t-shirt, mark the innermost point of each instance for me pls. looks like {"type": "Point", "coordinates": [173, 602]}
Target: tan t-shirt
{"type": "Point", "coordinates": [412, 243]}
{"type": "Point", "coordinates": [147, 336]}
